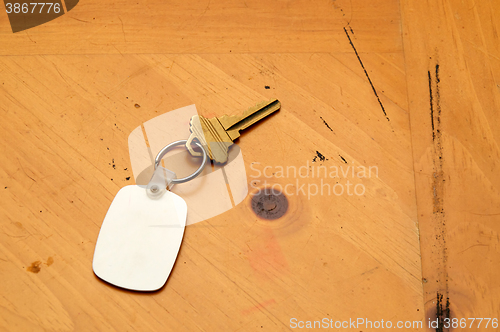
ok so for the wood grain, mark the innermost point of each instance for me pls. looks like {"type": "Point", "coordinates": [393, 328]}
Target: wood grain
{"type": "Point", "coordinates": [454, 95]}
{"type": "Point", "coordinates": [194, 27]}
{"type": "Point", "coordinates": [353, 80]}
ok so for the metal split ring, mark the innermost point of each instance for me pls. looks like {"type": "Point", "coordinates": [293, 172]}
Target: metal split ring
{"type": "Point", "coordinates": [164, 151]}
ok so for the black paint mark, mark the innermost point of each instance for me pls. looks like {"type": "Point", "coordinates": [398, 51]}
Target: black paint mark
{"type": "Point", "coordinates": [435, 104]}
{"type": "Point", "coordinates": [438, 94]}
{"type": "Point", "coordinates": [320, 156]}
{"type": "Point", "coordinates": [127, 178]}
{"type": "Point", "coordinates": [438, 182]}
{"type": "Point", "coordinates": [345, 161]}
{"type": "Point", "coordinates": [442, 312]}
{"type": "Point", "coordinates": [366, 73]}
{"type": "Point", "coordinates": [125, 169]}
{"type": "Point", "coordinates": [431, 98]}
{"type": "Point", "coordinates": [326, 124]}
{"type": "Point", "coordinates": [5, 187]}
{"type": "Point", "coordinates": [269, 204]}
{"type": "Point", "coordinates": [267, 87]}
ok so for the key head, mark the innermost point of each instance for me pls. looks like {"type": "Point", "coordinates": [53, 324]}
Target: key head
{"type": "Point", "coordinates": [212, 136]}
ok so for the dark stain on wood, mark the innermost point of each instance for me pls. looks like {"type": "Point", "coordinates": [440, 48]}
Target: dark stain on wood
{"type": "Point", "coordinates": [366, 73]}
{"type": "Point", "coordinates": [319, 156]}
{"type": "Point", "coordinates": [50, 261]}
{"type": "Point", "coordinates": [438, 186]}
{"type": "Point", "coordinates": [269, 204]}
{"type": "Point", "coordinates": [441, 315]}
{"type": "Point", "coordinates": [431, 100]}
{"type": "Point", "coordinates": [326, 124]}
{"type": "Point", "coordinates": [35, 267]}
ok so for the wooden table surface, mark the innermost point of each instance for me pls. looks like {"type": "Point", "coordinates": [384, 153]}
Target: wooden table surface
{"type": "Point", "coordinates": [410, 88]}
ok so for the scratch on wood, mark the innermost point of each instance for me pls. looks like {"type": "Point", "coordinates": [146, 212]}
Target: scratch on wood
{"type": "Point", "coordinates": [123, 29]}
{"type": "Point", "coordinates": [53, 64]}
{"type": "Point", "coordinates": [259, 306]}
{"type": "Point", "coordinates": [438, 182]}
{"type": "Point", "coordinates": [326, 124]}
{"type": "Point", "coordinates": [80, 20]}
{"type": "Point", "coordinates": [366, 73]}
{"type": "Point", "coordinates": [442, 312]}
{"type": "Point", "coordinates": [22, 168]}
{"type": "Point", "coordinates": [431, 102]}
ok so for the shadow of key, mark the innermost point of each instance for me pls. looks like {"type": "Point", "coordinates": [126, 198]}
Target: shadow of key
{"type": "Point", "coordinates": [24, 15]}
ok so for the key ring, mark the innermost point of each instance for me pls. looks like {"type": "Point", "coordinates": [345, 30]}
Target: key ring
{"type": "Point", "coordinates": [164, 151]}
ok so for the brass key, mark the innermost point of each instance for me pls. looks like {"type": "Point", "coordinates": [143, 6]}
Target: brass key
{"type": "Point", "coordinates": [216, 135]}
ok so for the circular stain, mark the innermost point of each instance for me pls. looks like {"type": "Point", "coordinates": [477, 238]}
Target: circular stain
{"type": "Point", "coordinates": [269, 204]}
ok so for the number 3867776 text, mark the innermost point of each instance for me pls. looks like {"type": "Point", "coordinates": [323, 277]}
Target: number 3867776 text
{"type": "Point", "coordinates": [33, 8]}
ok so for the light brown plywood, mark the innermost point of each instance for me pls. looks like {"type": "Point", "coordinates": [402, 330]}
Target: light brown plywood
{"type": "Point", "coordinates": [194, 27]}
{"type": "Point", "coordinates": [452, 70]}
{"type": "Point", "coordinates": [329, 256]}
{"type": "Point", "coordinates": [73, 89]}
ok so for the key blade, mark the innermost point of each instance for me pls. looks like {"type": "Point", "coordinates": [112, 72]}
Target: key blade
{"type": "Point", "coordinates": [234, 124]}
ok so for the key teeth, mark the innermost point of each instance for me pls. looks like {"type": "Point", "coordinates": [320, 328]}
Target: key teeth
{"type": "Point", "coordinates": [191, 124]}
{"type": "Point", "coordinates": [263, 103]}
